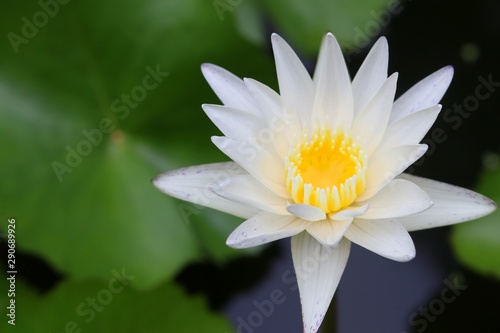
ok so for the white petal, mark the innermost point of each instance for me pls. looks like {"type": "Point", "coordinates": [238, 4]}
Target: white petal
{"type": "Point", "coordinates": [246, 190]}
{"type": "Point", "coordinates": [296, 86]}
{"type": "Point", "coordinates": [384, 166]}
{"type": "Point", "coordinates": [306, 212]}
{"type": "Point", "coordinates": [192, 184]}
{"type": "Point", "coordinates": [371, 122]}
{"type": "Point", "coordinates": [318, 269]}
{"type": "Point", "coordinates": [333, 85]}
{"type": "Point", "coordinates": [387, 238]}
{"type": "Point", "coordinates": [399, 198]}
{"type": "Point", "coordinates": [452, 204]}
{"type": "Point", "coordinates": [259, 162]}
{"type": "Point", "coordinates": [229, 88]}
{"type": "Point", "coordinates": [351, 211]}
{"type": "Point", "coordinates": [371, 75]}
{"type": "Point", "coordinates": [411, 129]}
{"type": "Point", "coordinates": [233, 123]}
{"type": "Point", "coordinates": [269, 100]}
{"type": "Point", "coordinates": [283, 123]}
{"type": "Point", "coordinates": [264, 228]}
{"type": "Point", "coordinates": [426, 93]}
{"type": "Point", "coordinates": [329, 232]}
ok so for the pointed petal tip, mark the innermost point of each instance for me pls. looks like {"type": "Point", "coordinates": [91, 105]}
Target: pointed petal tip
{"type": "Point", "coordinates": [330, 40]}
{"type": "Point", "coordinates": [159, 181]}
{"type": "Point", "coordinates": [426, 93]}
{"type": "Point", "coordinates": [483, 205]}
{"type": "Point", "coordinates": [217, 139]}
{"type": "Point", "coordinates": [392, 80]}
{"type": "Point", "coordinates": [448, 69]}
{"type": "Point", "coordinates": [445, 74]}
{"type": "Point", "coordinates": [489, 205]}
{"type": "Point", "coordinates": [422, 148]}
{"type": "Point", "coordinates": [213, 72]}
{"type": "Point", "coordinates": [207, 67]}
{"type": "Point", "coordinates": [453, 205]}
{"type": "Point", "coordinates": [407, 256]}
{"type": "Point", "coordinates": [275, 38]}
{"type": "Point", "coordinates": [155, 180]}
{"type": "Point", "coordinates": [493, 204]}
{"type": "Point", "coordinates": [381, 46]}
{"type": "Point", "coordinates": [331, 37]}
{"type": "Point", "coordinates": [382, 40]}
{"type": "Point", "coordinates": [235, 243]}
{"type": "Point", "coordinates": [231, 242]}
{"type": "Point", "coordinates": [207, 107]}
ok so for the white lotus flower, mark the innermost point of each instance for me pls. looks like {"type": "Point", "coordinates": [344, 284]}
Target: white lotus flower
{"type": "Point", "coordinates": [321, 162]}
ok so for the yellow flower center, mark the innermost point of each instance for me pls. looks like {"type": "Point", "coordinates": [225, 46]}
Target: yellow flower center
{"type": "Point", "coordinates": [326, 170]}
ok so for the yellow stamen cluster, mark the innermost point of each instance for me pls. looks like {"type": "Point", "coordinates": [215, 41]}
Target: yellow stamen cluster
{"type": "Point", "coordinates": [326, 170]}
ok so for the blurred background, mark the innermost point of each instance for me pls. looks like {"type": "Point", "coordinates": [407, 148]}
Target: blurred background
{"type": "Point", "coordinates": [97, 98]}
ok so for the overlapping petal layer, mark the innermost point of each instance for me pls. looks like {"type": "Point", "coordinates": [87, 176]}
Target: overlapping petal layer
{"type": "Point", "coordinates": [193, 183]}
{"type": "Point", "coordinates": [452, 204]}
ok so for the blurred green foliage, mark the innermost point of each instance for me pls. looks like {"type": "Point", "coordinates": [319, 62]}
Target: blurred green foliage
{"type": "Point", "coordinates": [93, 306]}
{"type": "Point", "coordinates": [352, 22]}
{"type": "Point", "coordinates": [101, 100]}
